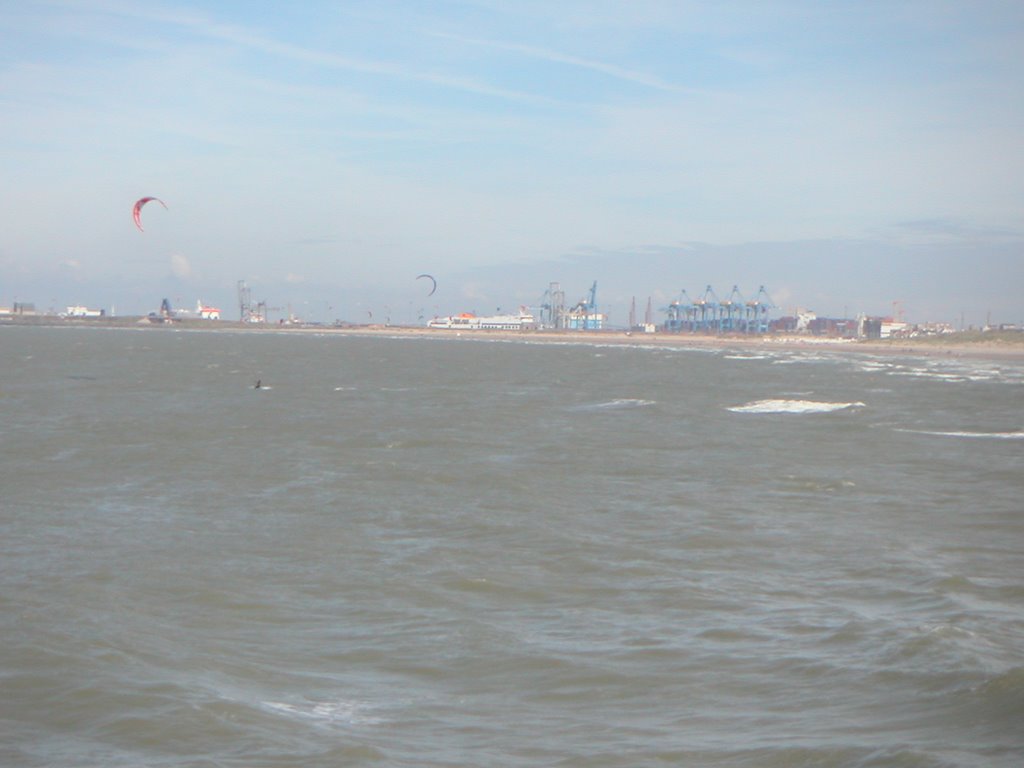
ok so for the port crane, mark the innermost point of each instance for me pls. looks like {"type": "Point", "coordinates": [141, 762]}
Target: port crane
{"type": "Point", "coordinates": [552, 307]}
{"type": "Point", "coordinates": [586, 309]}
{"type": "Point", "coordinates": [757, 312]}
{"type": "Point", "coordinates": [708, 314]}
{"type": "Point", "coordinates": [680, 313]}
{"type": "Point", "coordinates": [730, 311]}
{"type": "Point", "coordinates": [249, 312]}
{"type": "Point", "coordinates": [707, 305]}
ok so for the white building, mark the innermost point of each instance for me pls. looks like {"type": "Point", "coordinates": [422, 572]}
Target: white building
{"type": "Point", "coordinates": [803, 320]}
{"type": "Point", "coordinates": [207, 313]}
{"type": "Point", "coordinates": [891, 329]}
{"type": "Point", "coordinates": [83, 312]}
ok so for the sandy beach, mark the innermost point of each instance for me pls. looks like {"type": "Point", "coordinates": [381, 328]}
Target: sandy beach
{"type": "Point", "coordinates": [933, 348]}
{"type": "Point", "coordinates": [995, 346]}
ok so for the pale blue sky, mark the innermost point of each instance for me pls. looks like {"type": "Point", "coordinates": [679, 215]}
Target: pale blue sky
{"type": "Point", "coordinates": [845, 154]}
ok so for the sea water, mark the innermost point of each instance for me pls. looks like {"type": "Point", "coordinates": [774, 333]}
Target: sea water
{"type": "Point", "coordinates": [460, 552]}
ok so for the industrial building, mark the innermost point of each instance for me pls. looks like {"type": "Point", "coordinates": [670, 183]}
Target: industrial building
{"type": "Point", "coordinates": [582, 316]}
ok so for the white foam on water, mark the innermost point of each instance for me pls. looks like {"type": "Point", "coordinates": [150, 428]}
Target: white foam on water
{"type": "Point", "coordinates": [806, 357]}
{"type": "Point", "coordinates": [953, 371]}
{"type": "Point", "coordinates": [873, 366]}
{"type": "Point", "coordinates": [617, 404]}
{"type": "Point", "coordinates": [349, 712]}
{"type": "Point", "coordinates": [792, 406]}
{"type": "Point", "coordinates": [925, 373]}
{"type": "Point", "coordinates": [1012, 435]}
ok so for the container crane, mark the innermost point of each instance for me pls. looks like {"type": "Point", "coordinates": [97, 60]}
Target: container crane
{"type": "Point", "coordinates": [757, 312]}
{"type": "Point", "coordinates": [680, 313]}
{"type": "Point", "coordinates": [731, 311]}
{"type": "Point", "coordinates": [708, 306]}
{"type": "Point", "coordinates": [585, 309]}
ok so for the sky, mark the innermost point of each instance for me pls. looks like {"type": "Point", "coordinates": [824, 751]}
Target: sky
{"type": "Point", "coordinates": [850, 157]}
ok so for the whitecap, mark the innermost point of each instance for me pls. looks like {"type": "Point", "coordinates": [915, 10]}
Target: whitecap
{"type": "Point", "coordinates": [328, 711]}
{"type": "Point", "coordinates": [872, 366]}
{"type": "Point", "coordinates": [924, 373]}
{"type": "Point", "coordinates": [806, 358]}
{"type": "Point", "coordinates": [1013, 435]}
{"type": "Point", "coordinates": [617, 404]}
{"type": "Point", "coordinates": [791, 406]}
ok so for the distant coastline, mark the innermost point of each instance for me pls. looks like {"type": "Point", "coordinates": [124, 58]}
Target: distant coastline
{"type": "Point", "coordinates": [973, 344]}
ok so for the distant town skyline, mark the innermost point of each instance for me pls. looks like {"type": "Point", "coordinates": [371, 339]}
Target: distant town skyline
{"type": "Point", "coordinates": [848, 157]}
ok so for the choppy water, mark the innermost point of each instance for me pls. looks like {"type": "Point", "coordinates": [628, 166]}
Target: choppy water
{"type": "Point", "coordinates": [464, 553]}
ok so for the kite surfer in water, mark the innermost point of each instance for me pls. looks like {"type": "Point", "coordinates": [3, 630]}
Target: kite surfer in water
{"type": "Point", "coordinates": [259, 384]}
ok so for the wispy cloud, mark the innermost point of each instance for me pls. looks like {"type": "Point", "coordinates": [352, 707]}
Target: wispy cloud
{"type": "Point", "coordinates": [947, 228]}
{"type": "Point", "coordinates": [611, 70]}
{"type": "Point", "coordinates": [207, 27]}
{"type": "Point", "coordinates": [352, 142]}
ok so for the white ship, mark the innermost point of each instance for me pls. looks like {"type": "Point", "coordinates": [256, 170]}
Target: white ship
{"type": "Point", "coordinates": [467, 321]}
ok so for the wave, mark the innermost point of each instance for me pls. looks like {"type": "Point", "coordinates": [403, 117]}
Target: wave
{"type": "Point", "coordinates": [925, 373]}
{"type": "Point", "coordinates": [954, 371]}
{"type": "Point", "coordinates": [1012, 435]}
{"type": "Point", "coordinates": [330, 711]}
{"type": "Point", "coordinates": [1008, 684]}
{"type": "Point", "coordinates": [792, 406]}
{"type": "Point", "coordinates": [999, 703]}
{"type": "Point", "coordinates": [807, 357]}
{"type": "Point", "coordinates": [617, 404]}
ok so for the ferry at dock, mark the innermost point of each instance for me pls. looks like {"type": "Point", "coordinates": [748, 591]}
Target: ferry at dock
{"type": "Point", "coordinates": [467, 321]}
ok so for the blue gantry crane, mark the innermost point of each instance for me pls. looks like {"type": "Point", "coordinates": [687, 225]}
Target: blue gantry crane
{"type": "Point", "coordinates": [708, 314]}
{"type": "Point", "coordinates": [584, 315]}
{"type": "Point", "coordinates": [730, 312]}
{"type": "Point", "coordinates": [707, 307]}
{"type": "Point", "coordinates": [757, 312]}
{"type": "Point", "coordinates": [680, 313]}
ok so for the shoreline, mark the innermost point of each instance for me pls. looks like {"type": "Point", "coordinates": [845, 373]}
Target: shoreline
{"type": "Point", "coordinates": [997, 348]}
{"type": "Point", "coordinates": [925, 348]}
